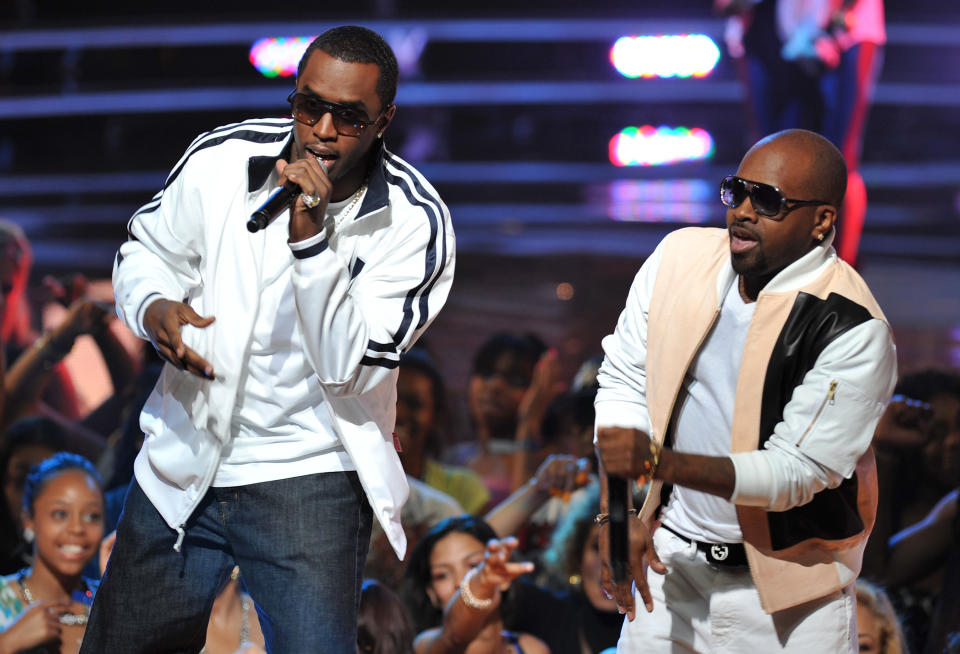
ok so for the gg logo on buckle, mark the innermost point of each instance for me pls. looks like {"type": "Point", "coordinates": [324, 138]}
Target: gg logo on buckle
{"type": "Point", "coordinates": [719, 552]}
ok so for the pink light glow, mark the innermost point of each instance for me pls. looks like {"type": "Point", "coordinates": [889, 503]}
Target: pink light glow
{"type": "Point", "coordinates": [657, 146]}
{"type": "Point", "coordinates": [278, 56]}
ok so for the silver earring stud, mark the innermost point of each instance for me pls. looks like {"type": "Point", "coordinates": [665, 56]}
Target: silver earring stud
{"type": "Point", "coordinates": [28, 534]}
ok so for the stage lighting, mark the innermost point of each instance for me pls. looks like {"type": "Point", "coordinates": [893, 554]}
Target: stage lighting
{"type": "Point", "coordinates": [657, 146]}
{"type": "Point", "coordinates": [278, 56]}
{"type": "Point", "coordinates": [690, 201]}
{"type": "Point", "coordinates": [680, 55]}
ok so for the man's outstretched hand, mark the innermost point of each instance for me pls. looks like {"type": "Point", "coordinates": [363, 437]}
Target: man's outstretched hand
{"type": "Point", "coordinates": [162, 322]}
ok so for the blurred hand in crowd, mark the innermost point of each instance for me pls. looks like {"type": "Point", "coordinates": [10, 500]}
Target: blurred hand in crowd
{"type": "Point", "coordinates": [905, 423]}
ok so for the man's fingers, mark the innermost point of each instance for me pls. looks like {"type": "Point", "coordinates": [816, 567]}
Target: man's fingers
{"type": "Point", "coordinates": [163, 321]}
{"type": "Point", "coordinates": [168, 335]}
{"type": "Point", "coordinates": [606, 575]}
{"type": "Point", "coordinates": [192, 317]}
{"type": "Point", "coordinates": [644, 590]}
{"type": "Point", "coordinates": [166, 353]}
{"type": "Point", "coordinates": [623, 594]}
{"type": "Point", "coordinates": [196, 364]}
{"type": "Point", "coordinates": [654, 561]}
{"type": "Point", "coordinates": [182, 357]}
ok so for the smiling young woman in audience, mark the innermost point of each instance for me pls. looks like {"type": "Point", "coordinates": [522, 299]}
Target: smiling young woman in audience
{"type": "Point", "coordinates": [43, 609]}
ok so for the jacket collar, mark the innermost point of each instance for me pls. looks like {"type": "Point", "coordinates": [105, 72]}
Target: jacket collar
{"type": "Point", "coordinates": [806, 269]}
{"type": "Point", "coordinates": [797, 275]}
{"type": "Point", "coordinates": [260, 169]}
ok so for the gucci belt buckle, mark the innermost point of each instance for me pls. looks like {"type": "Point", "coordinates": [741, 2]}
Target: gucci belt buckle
{"type": "Point", "coordinates": [719, 551]}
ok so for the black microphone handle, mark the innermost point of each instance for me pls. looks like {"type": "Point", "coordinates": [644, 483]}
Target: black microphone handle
{"type": "Point", "coordinates": [273, 207]}
{"type": "Point", "coordinates": [617, 496]}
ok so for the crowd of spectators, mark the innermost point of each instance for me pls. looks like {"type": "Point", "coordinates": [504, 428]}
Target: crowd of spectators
{"type": "Point", "coordinates": [510, 503]}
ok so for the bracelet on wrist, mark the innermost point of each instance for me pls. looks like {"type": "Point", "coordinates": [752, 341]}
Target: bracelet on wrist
{"type": "Point", "coordinates": [604, 518]}
{"type": "Point", "coordinates": [467, 595]}
{"type": "Point", "coordinates": [650, 465]}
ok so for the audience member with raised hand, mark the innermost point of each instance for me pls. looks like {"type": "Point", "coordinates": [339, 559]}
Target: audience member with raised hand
{"type": "Point", "coordinates": [44, 608]}
{"type": "Point", "coordinates": [36, 381]}
{"type": "Point", "coordinates": [16, 321]}
{"type": "Point", "coordinates": [930, 545]}
{"type": "Point", "coordinates": [73, 292]}
{"type": "Point", "coordinates": [459, 586]}
{"type": "Point", "coordinates": [544, 386]}
{"type": "Point", "coordinates": [557, 478]}
{"type": "Point", "coordinates": [917, 445]}
{"type": "Point", "coordinates": [511, 384]}
{"type": "Point", "coordinates": [566, 431]}
{"type": "Point", "coordinates": [918, 449]}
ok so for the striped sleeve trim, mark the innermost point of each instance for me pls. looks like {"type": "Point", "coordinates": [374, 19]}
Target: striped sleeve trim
{"type": "Point", "coordinates": [254, 131]}
{"type": "Point", "coordinates": [142, 309]}
{"type": "Point", "coordinates": [386, 355]}
{"type": "Point", "coordinates": [310, 250]}
{"type": "Point", "coordinates": [383, 363]}
{"type": "Point", "coordinates": [416, 310]}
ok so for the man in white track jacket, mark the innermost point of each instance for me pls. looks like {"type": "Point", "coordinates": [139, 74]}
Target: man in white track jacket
{"type": "Point", "coordinates": [269, 435]}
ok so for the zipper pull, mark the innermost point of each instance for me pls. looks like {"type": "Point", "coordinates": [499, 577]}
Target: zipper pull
{"type": "Point", "coordinates": [832, 391]}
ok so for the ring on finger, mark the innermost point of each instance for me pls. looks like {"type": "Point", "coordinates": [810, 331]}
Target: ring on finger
{"type": "Point", "coordinates": [310, 200]}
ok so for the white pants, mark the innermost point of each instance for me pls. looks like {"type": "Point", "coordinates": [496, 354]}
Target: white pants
{"type": "Point", "coordinates": [700, 607]}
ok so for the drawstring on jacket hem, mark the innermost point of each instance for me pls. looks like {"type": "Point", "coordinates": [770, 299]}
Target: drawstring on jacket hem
{"type": "Point", "coordinates": [180, 534]}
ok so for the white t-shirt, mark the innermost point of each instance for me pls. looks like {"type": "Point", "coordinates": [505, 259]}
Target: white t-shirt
{"type": "Point", "coordinates": [281, 426]}
{"type": "Point", "coordinates": [704, 421]}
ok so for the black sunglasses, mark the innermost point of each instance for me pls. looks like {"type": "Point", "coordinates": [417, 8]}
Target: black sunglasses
{"type": "Point", "coordinates": [348, 121]}
{"type": "Point", "coordinates": [767, 200]}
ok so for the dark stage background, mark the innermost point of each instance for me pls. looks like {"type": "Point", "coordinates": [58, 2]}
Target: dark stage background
{"type": "Point", "coordinates": [510, 111]}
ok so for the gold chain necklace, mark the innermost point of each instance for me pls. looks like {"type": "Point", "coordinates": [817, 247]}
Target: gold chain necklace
{"type": "Point", "coordinates": [356, 198]}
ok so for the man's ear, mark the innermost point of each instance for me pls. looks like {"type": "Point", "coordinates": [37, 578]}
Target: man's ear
{"type": "Point", "coordinates": [384, 121]}
{"type": "Point", "coordinates": [823, 221]}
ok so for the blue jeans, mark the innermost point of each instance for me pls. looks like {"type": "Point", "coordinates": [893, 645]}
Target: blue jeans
{"type": "Point", "coordinates": [301, 544]}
